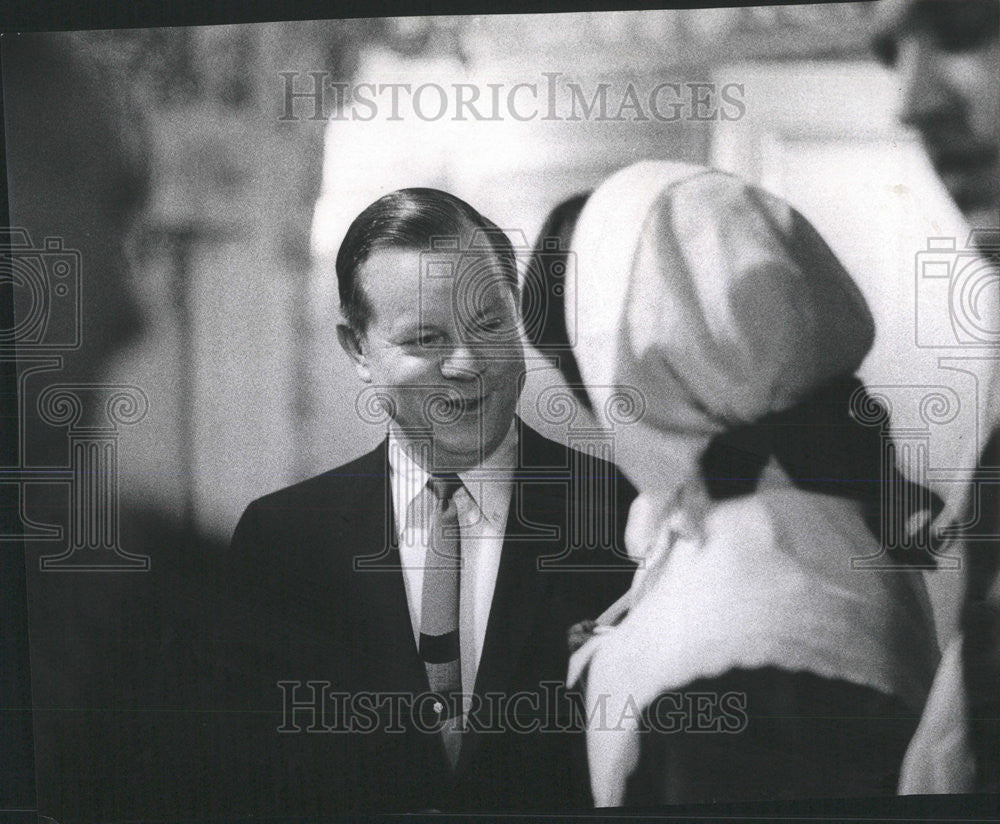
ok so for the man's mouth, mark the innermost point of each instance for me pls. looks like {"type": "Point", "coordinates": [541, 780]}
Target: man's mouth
{"type": "Point", "coordinates": [463, 406]}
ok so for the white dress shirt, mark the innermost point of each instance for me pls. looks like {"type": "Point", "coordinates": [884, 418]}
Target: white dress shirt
{"type": "Point", "coordinates": [482, 503]}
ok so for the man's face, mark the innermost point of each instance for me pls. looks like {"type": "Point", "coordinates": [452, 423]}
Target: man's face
{"type": "Point", "coordinates": [443, 343]}
{"type": "Point", "coordinates": [947, 56]}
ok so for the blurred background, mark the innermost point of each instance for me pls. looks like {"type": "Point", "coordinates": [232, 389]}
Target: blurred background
{"type": "Point", "coordinates": [251, 192]}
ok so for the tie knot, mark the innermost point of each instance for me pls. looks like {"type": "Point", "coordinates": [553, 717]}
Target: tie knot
{"type": "Point", "coordinates": [445, 485]}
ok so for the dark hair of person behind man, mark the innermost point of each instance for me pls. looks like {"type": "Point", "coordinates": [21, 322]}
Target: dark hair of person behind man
{"type": "Point", "coordinates": [410, 219]}
{"type": "Point", "coordinates": [542, 306]}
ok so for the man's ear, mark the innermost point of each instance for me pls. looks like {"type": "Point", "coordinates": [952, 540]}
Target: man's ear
{"type": "Point", "coordinates": [350, 342]}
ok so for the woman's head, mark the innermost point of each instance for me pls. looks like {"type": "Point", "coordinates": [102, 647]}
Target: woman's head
{"type": "Point", "coordinates": [712, 302]}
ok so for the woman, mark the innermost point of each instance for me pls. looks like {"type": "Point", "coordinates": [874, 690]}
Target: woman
{"type": "Point", "coordinates": [736, 332]}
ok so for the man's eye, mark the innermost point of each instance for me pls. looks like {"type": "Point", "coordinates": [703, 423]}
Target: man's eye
{"type": "Point", "coordinates": [494, 325]}
{"type": "Point", "coordinates": [425, 339]}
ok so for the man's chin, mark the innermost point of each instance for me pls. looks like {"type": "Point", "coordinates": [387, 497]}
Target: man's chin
{"type": "Point", "coordinates": [460, 453]}
{"type": "Point", "coordinates": [456, 459]}
{"type": "Point", "coordinates": [455, 452]}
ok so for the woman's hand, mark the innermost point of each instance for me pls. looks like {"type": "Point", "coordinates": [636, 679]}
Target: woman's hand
{"type": "Point", "coordinates": [578, 634]}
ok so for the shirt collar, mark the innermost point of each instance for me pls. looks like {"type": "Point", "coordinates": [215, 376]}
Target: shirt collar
{"type": "Point", "coordinates": [487, 483]}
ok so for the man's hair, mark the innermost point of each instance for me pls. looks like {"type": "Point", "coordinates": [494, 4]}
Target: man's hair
{"type": "Point", "coordinates": [410, 219]}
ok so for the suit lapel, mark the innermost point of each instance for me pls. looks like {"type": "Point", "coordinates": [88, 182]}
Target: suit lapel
{"type": "Point", "coordinates": [381, 610]}
{"type": "Point", "coordinates": [390, 662]}
{"type": "Point", "coordinates": [536, 527]}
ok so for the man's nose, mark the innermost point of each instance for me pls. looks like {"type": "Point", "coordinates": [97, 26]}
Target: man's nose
{"type": "Point", "coordinates": [926, 96]}
{"type": "Point", "coordinates": [462, 362]}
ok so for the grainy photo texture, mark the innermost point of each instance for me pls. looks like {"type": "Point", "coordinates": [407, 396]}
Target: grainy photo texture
{"type": "Point", "coordinates": [514, 413]}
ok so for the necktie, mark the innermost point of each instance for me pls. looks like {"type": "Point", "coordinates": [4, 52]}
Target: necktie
{"type": "Point", "coordinates": [439, 641]}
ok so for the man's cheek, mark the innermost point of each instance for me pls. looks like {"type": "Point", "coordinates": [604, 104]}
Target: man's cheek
{"type": "Point", "coordinates": [512, 372]}
{"type": "Point", "coordinates": [414, 370]}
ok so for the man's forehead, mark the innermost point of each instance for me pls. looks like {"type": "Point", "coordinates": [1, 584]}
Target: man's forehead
{"type": "Point", "coordinates": [405, 271]}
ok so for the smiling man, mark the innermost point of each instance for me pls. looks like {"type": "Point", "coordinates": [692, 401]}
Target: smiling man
{"type": "Point", "coordinates": [412, 606]}
{"type": "Point", "coordinates": [443, 346]}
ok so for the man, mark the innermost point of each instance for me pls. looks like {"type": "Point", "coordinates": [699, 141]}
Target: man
{"type": "Point", "coordinates": [411, 608]}
{"type": "Point", "coordinates": [947, 54]}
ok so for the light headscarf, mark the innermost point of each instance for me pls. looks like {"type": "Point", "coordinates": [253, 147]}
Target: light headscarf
{"type": "Point", "coordinates": [711, 304]}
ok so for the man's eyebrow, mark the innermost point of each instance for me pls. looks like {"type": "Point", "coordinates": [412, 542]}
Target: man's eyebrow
{"type": "Point", "coordinates": [406, 326]}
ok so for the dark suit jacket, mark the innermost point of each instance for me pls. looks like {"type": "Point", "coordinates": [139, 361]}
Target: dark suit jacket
{"type": "Point", "coordinates": [315, 593]}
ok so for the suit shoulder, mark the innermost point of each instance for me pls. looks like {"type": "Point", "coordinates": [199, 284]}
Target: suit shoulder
{"type": "Point", "coordinates": [349, 480]}
{"type": "Point", "coordinates": [539, 451]}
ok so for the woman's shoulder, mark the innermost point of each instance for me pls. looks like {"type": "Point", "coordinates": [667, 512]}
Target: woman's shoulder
{"type": "Point", "coordinates": [814, 545]}
{"type": "Point", "coordinates": [815, 528]}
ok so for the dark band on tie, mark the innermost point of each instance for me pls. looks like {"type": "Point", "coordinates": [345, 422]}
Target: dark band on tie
{"type": "Point", "coordinates": [439, 649]}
